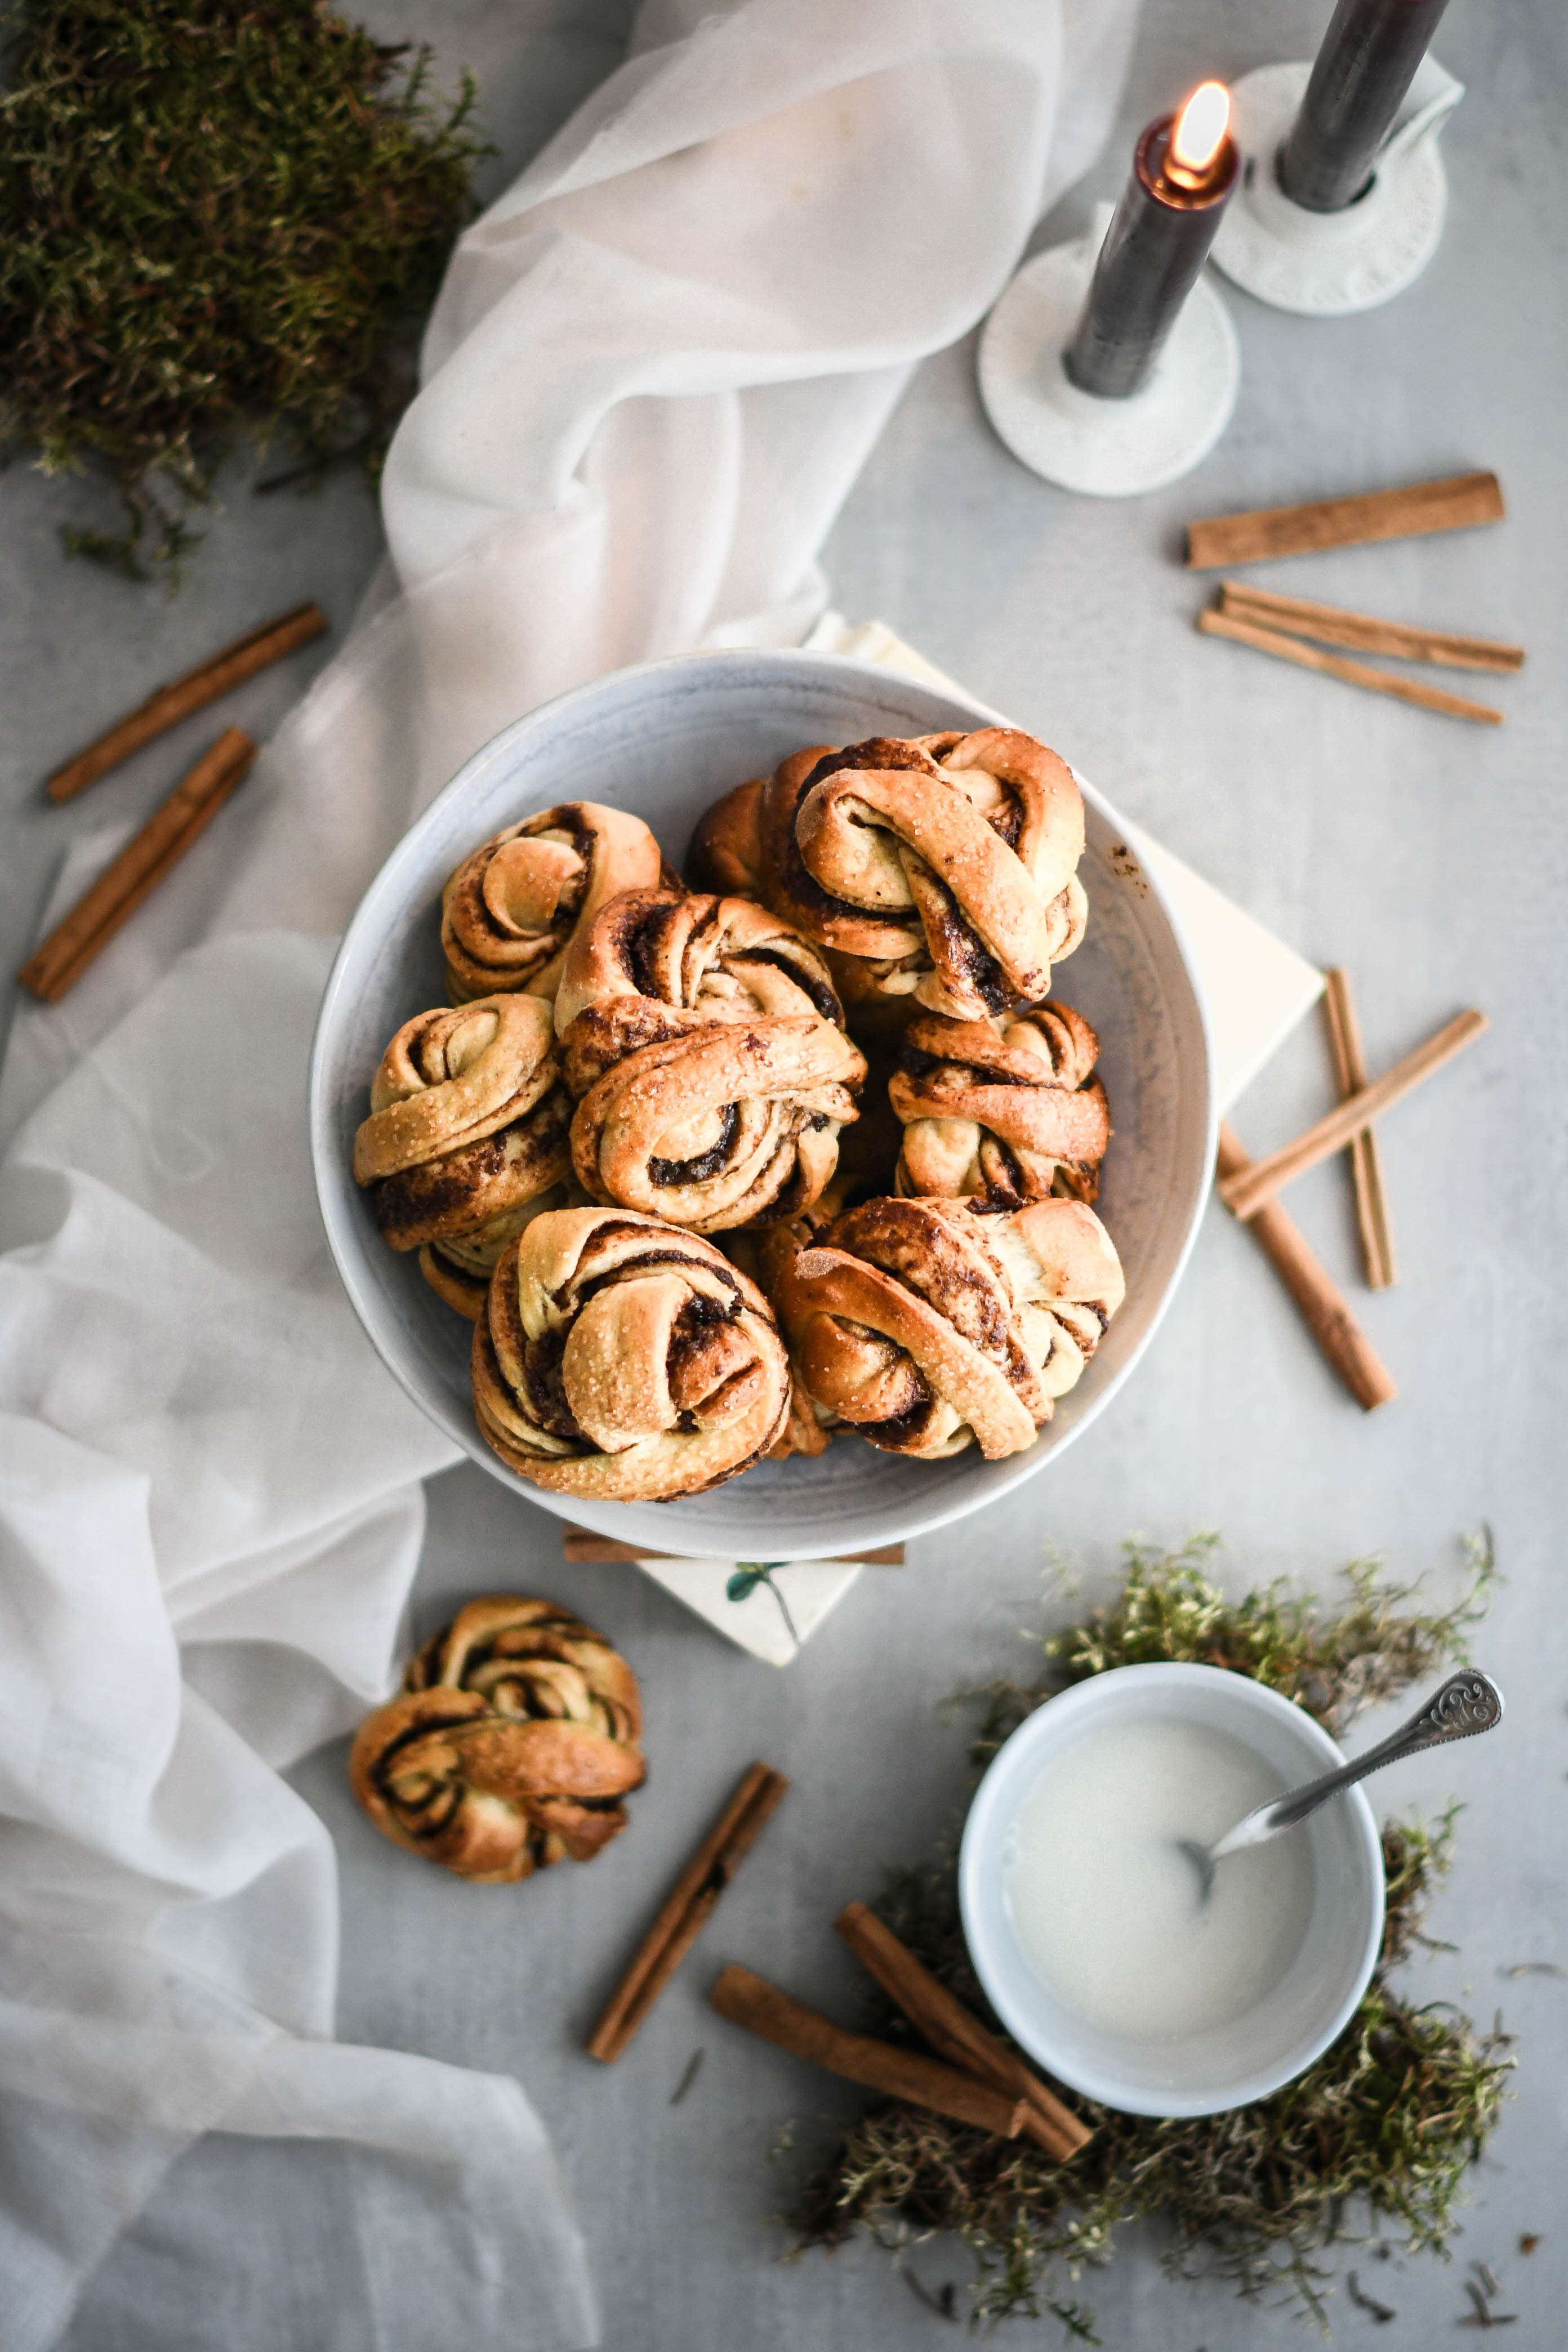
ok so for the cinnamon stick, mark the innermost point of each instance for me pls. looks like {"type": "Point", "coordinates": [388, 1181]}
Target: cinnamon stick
{"type": "Point", "coordinates": [686, 1910]}
{"type": "Point", "coordinates": [59, 964]}
{"type": "Point", "coordinates": [1353, 673]}
{"type": "Point", "coordinates": [1455, 503]}
{"type": "Point", "coordinates": [1345, 1344]}
{"type": "Point", "coordinates": [956, 2035]}
{"type": "Point", "coordinates": [1362, 633]}
{"type": "Point", "coordinates": [1247, 1194]}
{"type": "Point", "coordinates": [167, 705]}
{"type": "Point", "coordinates": [1366, 1161]}
{"type": "Point", "coordinates": [750, 2000]}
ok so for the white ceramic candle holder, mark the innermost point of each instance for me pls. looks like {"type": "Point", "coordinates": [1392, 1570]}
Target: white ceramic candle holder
{"type": "Point", "coordinates": [1325, 265]}
{"type": "Point", "coordinates": [1108, 448]}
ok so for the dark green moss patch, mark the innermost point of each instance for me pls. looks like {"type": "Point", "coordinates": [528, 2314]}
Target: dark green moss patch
{"type": "Point", "coordinates": [220, 221]}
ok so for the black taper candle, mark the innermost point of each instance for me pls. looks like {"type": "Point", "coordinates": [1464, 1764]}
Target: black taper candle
{"type": "Point", "coordinates": [1368, 59]}
{"type": "Point", "coordinates": [1158, 240]}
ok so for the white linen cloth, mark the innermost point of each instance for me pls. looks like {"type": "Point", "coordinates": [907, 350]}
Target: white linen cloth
{"type": "Point", "coordinates": [653, 373]}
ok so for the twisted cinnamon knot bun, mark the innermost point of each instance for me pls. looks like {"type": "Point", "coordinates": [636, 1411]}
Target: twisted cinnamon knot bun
{"type": "Point", "coordinates": [510, 911]}
{"type": "Point", "coordinates": [943, 867]}
{"type": "Point", "coordinates": [923, 1324]}
{"type": "Point", "coordinates": [1006, 1108]}
{"type": "Point", "coordinates": [511, 1744]}
{"type": "Point", "coordinates": [468, 1137]}
{"type": "Point", "coordinates": [709, 1126]}
{"type": "Point", "coordinates": [724, 958]}
{"type": "Point", "coordinates": [620, 1361]}
{"type": "Point", "coordinates": [701, 1036]}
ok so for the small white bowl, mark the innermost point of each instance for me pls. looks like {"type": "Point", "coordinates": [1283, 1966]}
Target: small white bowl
{"type": "Point", "coordinates": [666, 739]}
{"type": "Point", "coordinates": [1226, 2066]}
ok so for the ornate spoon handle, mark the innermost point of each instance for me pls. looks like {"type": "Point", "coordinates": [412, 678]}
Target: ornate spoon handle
{"type": "Point", "coordinates": [1468, 1702]}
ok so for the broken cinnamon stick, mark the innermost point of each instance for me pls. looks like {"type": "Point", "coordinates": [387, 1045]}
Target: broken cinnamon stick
{"type": "Point", "coordinates": [1366, 1161]}
{"type": "Point", "coordinates": [167, 705]}
{"type": "Point", "coordinates": [1364, 633]}
{"type": "Point", "coordinates": [750, 2000]}
{"type": "Point", "coordinates": [1247, 1194]}
{"type": "Point", "coordinates": [686, 1911]}
{"type": "Point", "coordinates": [59, 961]}
{"type": "Point", "coordinates": [1454, 503]}
{"type": "Point", "coordinates": [1352, 673]}
{"type": "Point", "coordinates": [1345, 1344]}
{"type": "Point", "coordinates": [956, 2035]}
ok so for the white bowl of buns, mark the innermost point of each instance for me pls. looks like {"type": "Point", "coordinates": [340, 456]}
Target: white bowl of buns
{"type": "Point", "coordinates": [761, 1110]}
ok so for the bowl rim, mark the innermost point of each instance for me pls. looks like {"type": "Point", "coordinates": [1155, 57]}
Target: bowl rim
{"type": "Point", "coordinates": [990, 1816]}
{"type": "Point", "coordinates": [904, 1523]}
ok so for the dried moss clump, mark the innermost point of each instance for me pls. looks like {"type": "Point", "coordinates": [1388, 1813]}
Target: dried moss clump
{"type": "Point", "coordinates": [1334, 1666]}
{"type": "Point", "coordinates": [1379, 2133]}
{"type": "Point", "coordinates": [219, 220]}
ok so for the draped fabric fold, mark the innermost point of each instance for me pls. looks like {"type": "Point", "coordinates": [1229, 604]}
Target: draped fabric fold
{"type": "Point", "coordinates": [655, 369]}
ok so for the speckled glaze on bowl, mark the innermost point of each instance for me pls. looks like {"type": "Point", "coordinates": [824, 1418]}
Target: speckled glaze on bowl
{"type": "Point", "coordinates": [666, 739]}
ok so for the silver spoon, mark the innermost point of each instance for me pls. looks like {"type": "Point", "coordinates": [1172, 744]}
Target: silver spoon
{"type": "Point", "coordinates": [1467, 1702]}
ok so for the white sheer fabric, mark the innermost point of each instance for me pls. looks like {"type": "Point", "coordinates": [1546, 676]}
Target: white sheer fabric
{"type": "Point", "coordinates": [654, 371]}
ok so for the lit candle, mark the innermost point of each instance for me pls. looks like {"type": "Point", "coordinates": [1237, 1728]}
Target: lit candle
{"type": "Point", "coordinates": [1182, 173]}
{"type": "Point", "coordinates": [1368, 59]}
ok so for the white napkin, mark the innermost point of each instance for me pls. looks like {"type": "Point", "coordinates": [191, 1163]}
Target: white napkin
{"type": "Point", "coordinates": [655, 368]}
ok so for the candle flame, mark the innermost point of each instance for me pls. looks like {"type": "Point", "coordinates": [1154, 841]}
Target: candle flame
{"type": "Point", "coordinates": [1200, 127]}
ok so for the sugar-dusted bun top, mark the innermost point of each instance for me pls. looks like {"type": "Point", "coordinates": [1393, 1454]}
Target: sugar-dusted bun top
{"type": "Point", "coordinates": [1007, 1108]}
{"type": "Point", "coordinates": [452, 1076]}
{"type": "Point", "coordinates": [928, 1325]}
{"type": "Point", "coordinates": [948, 863]}
{"type": "Point", "coordinates": [725, 957]}
{"type": "Point", "coordinates": [511, 909]}
{"type": "Point", "coordinates": [622, 1359]}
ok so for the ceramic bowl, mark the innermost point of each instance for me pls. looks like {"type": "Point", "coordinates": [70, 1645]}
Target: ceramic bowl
{"type": "Point", "coordinates": [666, 739]}
{"type": "Point", "coordinates": [1226, 2066]}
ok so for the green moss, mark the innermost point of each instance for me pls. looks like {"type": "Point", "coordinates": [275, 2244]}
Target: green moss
{"type": "Point", "coordinates": [1333, 1663]}
{"type": "Point", "coordinates": [1378, 2135]}
{"type": "Point", "coordinates": [220, 221]}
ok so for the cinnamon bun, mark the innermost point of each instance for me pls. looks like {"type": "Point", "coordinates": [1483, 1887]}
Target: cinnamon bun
{"type": "Point", "coordinates": [509, 1748]}
{"type": "Point", "coordinates": [512, 907]}
{"type": "Point", "coordinates": [619, 1360]}
{"type": "Point", "coordinates": [1008, 1110]}
{"type": "Point", "coordinates": [940, 866]}
{"type": "Point", "coordinates": [468, 1137]}
{"type": "Point", "coordinates": [926, 1326]}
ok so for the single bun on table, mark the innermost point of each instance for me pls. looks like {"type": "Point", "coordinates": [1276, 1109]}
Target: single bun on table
{"type": "Point", "coordinates": [510, 910]}
{"type": "Point", "coordinates": [1008, 1109]}
{"type": "Point", "coordinates": [926, 1326]}
{"type": "Point", "coordinates": [620, 1360]}
{"type": "Point", "coordinates": [943, 867]}
{"type": "Point", "coordinates": [510, 1745]}
{"type": "Point", "coordinates": [468, 1137]}
{"type": "Point", "coordinates": [701, 1038]}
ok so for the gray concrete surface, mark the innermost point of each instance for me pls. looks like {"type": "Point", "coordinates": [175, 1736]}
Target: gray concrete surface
{"type": "Point", "coordinates": [1427, 857]}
